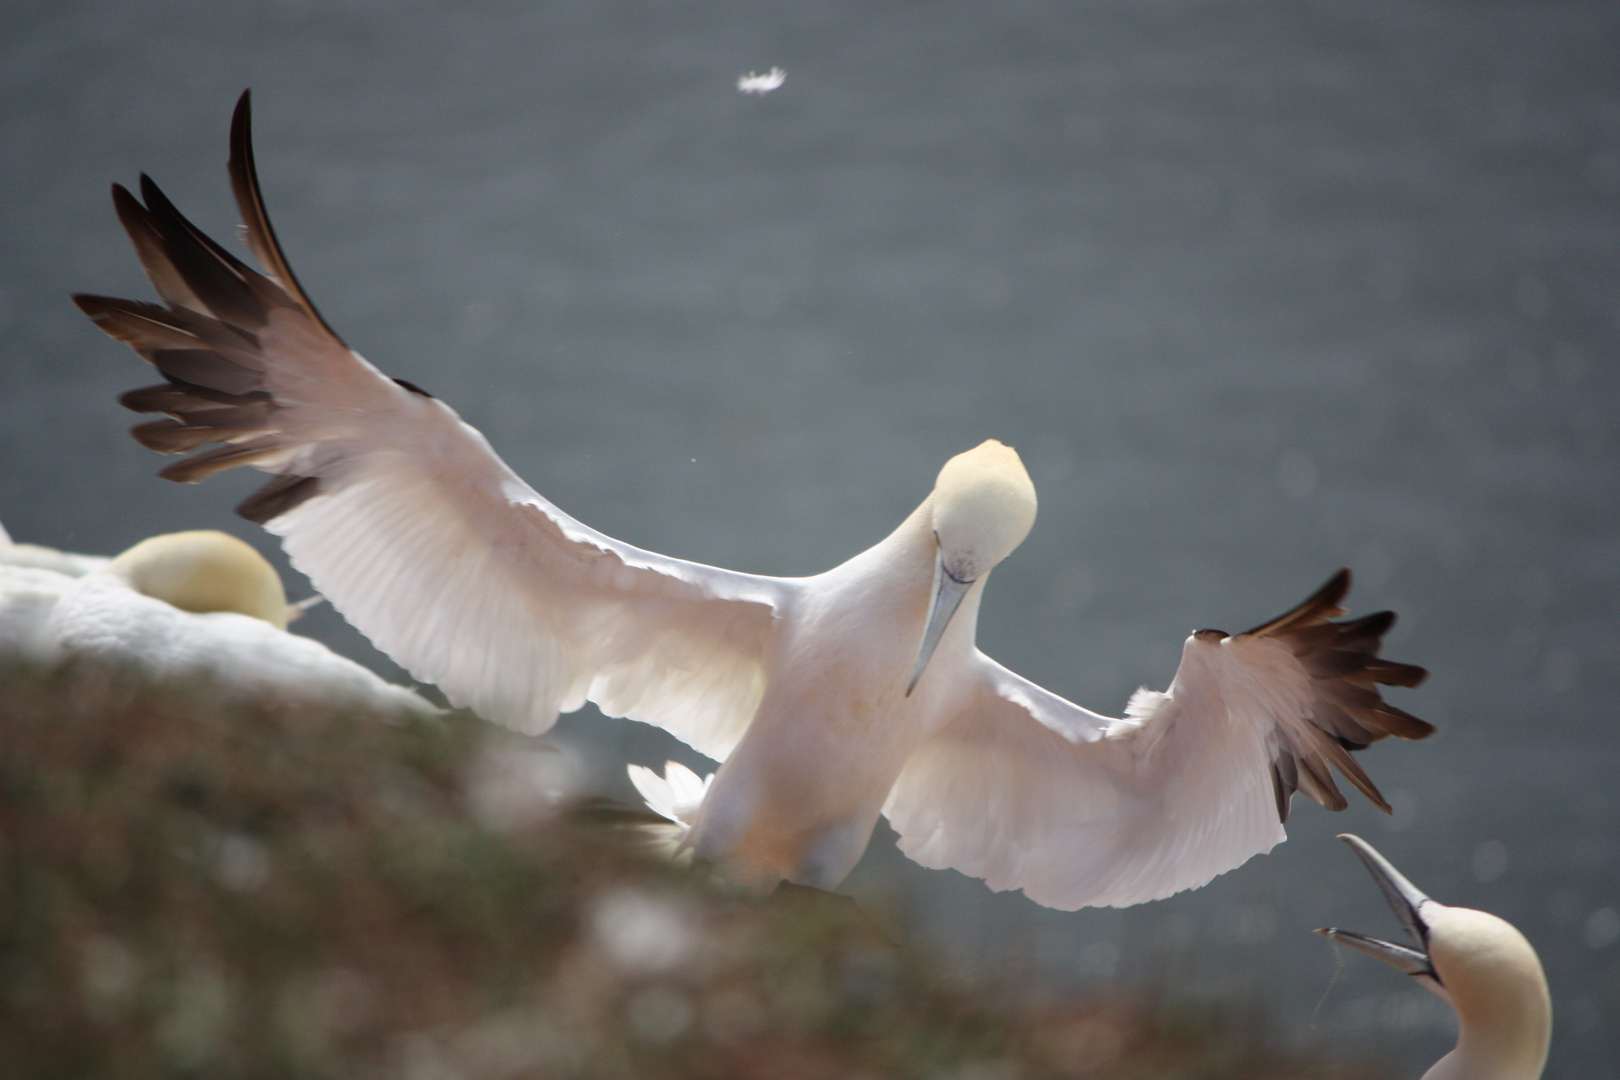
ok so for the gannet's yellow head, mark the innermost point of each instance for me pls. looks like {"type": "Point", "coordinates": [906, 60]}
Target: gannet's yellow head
{"type": "Point", "coordinates": [984, 506]}
{"type": "Point", "coordinates": [205, 571]}
{"type": "Point", "coordinates": [1492, 977]}
{"type": "Point", "coordinates": [1479, 964]}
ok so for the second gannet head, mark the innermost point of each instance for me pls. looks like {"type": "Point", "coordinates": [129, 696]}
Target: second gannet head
{"type": "Point", "coordinates": [1477, 963]}
{"type": "Point", "coordinates": [983, 507]}
{"type": "Point", "coordinates": [204, 571]}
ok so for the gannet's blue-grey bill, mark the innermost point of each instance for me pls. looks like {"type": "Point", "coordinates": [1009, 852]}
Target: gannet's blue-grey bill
{"type": "Point", "coordinates": [1397, 956]}
{"type": "Point", "coordinates": [948, 594]}
{"type": "Point", "coordinates": [1405, 899]}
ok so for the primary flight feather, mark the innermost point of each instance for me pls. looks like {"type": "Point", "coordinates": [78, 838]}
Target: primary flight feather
{"type": "Point", "coordinates": [828, 699]}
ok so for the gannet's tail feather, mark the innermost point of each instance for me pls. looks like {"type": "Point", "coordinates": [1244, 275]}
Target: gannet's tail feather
{"type": "Point", "coordinates": [674, 796]}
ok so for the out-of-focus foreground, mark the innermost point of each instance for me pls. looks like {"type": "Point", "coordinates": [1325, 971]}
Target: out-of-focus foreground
{"type": "Point", "coordinates": [186, 891]}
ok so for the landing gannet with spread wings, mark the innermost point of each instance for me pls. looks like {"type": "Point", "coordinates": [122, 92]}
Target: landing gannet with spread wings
{"type": "Point", "coordinates": [828, 699]}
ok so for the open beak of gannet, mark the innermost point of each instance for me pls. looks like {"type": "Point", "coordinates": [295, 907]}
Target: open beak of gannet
{"type": "Point", "coordinates": [1479, 964]}
{"type": "Point", "coordinates": [1407, 901]}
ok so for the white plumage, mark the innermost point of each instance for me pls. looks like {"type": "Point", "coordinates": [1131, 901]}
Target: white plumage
{"type": "Point", "coordinates": [676, 795]}
{"type": "Point", "coordinates": [226, 641]}
{"type": "Point", "coordinates": [38, 557]}
{"type": "Point", "coordinates": [829, 699]}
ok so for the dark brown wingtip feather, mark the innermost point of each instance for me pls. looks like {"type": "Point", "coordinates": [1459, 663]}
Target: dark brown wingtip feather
{"type": "Point", "coordinates": [1316, 781]}
{"type": "Point", "coordinates": [223, 285]}
{"type": "Point", "coordinates": [277, 497]}
{"type": "Point", "coordinates": [1402, 724]}
{"type": "Point", "coordinates": [1346, 670]}
{"type": "Point", "coordinates": [172, 436]}
{"type": "Point", "coordinates": [147, 238]}
{"type": "Point", "coordinates": [199, 467]}
{"type": "Point", "coordinates": [1320, 606]}
{"type": "Point", "coordinates": [181, 399]}
{"type": "Point", "coordinates": [1348, 767]}
{"type": "Point", "coordinates": [1348, 711]}
{"type": "Point", "coordinates": [164, 397]}
{"type": "Point", "coordinates": [150, 328]}
{"type": "Point", "coordinates": [1283, 790]}
{"type": "Point", "coordinates": [206, 342]}
{"type": "Point", "coordinates": [86, 302]}
{"type": "Point", "coordinates": [1390, 673]}
{"type": "Point", "coordinates": [205, 367]}
{"type": "Point", "coordinates": [1358, 667]}
{"type": "Point", "coordinates": [260, 236]}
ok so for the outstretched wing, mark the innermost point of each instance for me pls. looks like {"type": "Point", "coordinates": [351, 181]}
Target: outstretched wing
{"type": "Point", "coordinates": [1027, 790]}
{"type": "Point", "coordinates": [403, 516]}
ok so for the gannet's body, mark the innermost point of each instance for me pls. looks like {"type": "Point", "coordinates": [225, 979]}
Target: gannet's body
{"type": "Point", "coordinates": [200, 610]}
{"type": "Point", "coordinates": [829, 699]}
{"type": "Point", "coordinates": [38, 557]}
{"type": "Point", "coordinates": [1475, 962]}
{"type": "Point", "coordinates": [799, 795]}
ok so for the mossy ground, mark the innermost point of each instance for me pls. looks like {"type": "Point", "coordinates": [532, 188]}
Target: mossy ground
{"type": "Point", "coordinates": [191, 889]}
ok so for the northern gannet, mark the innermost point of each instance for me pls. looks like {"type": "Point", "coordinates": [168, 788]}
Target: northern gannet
{"type": "Point", "coordinates": [1476, 963]}
{"type": "Point", "coordinates": [828, 699]}
{"type": "Point", "coordinates": [200, 610]}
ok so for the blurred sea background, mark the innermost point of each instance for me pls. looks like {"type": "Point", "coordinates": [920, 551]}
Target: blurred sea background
{"type": "Point", "coordinates": [1257, 289]}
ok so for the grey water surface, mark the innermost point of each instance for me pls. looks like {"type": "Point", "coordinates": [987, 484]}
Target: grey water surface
{"type": "Point", "coordinates": [1258, 289]}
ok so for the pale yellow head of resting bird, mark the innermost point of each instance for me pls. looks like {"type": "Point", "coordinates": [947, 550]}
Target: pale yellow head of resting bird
{"type": "Point", "coordinates": [983, 507]}
{"type": "Point", "coordinates": [205, 571]}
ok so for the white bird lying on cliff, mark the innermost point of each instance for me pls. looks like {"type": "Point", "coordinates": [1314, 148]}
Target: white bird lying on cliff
{"type": "Point", "coordinates": [201, 610]}
{"type": "Point", "coordinates": [47, 558]}
{"type": "Point", "coordinates": [829, 699]}
{"type": "Point", "coordinates": [1476, 963]}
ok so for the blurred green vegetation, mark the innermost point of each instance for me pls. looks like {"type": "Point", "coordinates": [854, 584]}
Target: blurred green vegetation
{"type": "Point", "coordinates": [191, 890]}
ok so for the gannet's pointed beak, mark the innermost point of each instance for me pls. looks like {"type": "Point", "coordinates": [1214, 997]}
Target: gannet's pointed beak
{"type": "Point", "coordinates": [948, 594]}
{"type": "Point", "coordinates": [297, 611]}
{"type": "Point", "coordinates": [1406, 900]}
